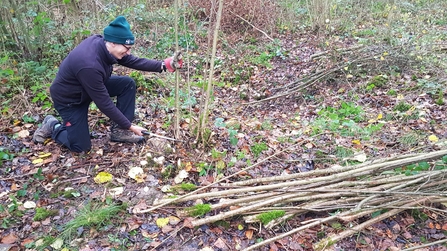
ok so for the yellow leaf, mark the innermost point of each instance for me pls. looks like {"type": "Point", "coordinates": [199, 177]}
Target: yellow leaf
{"type": "Point", "coordinates": [356, 141]}
{"type": "Point", "coordinates": [385, 53]}
{"type": "Point", "coordinates": [44, 155]}
{"type": "Point", "coordinates": [37, 161]}
{"type": "Point", "coordinates": [349, 76]}
{"type": "Point", "coordinates": [65, 249]}
{"type": "Point", "coordinates": [382, 58]}
{"type": "Point", "coordinates": [103, 177]}
{"type": "Point", "coordinates": [380, 116]}
{"type": "Point", "coordinates": [161, 222]}
{"type": "Point", "coordinates": [433, 138]}
{"type": "Point", "coordinates": [240, 227]}
{"type": "Point", "coordinates": [188, 166]}
{"type": "Point", "coordinates": [220, 164]}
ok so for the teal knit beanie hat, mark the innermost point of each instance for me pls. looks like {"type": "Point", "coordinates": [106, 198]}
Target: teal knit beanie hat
{"type": "Point", "coordinates": [119, 32]}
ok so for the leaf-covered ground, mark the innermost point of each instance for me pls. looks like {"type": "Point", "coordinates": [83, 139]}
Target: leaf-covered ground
{"type": "Point", "coordinates": [56, 179]}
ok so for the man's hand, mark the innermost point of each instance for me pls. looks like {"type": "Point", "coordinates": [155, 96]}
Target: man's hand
{"type": "Point", "coordinates": [175, 62]}
{"type": "Point", "coordinates": [137, 129]}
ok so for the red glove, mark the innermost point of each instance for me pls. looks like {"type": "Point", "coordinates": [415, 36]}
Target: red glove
{"type": "Point", "coordinates": [175, 62]}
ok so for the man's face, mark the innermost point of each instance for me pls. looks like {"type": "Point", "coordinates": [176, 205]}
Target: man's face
{"type": "Point", "coordinates": [120, 50]}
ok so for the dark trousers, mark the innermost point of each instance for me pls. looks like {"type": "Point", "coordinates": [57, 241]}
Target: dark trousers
{"type": "Point", "coordinates": [74, 132]}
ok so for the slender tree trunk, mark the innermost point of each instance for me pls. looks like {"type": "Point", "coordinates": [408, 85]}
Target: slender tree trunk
{"type": "Point", "coordinates": [209, 89]}
{"type": "Point", "coordinates": [177, 79]}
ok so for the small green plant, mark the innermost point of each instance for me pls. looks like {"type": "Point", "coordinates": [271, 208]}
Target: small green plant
{"type": "Point", "coordinates": [345, 120]}
{"type": "Point", "coordinates": [232, 133]}
{"type": "Point", "coordinates": [94, 214]}
{"type": "Point", "coordinates": [258, 147]}
{"type": "Point", "coordinates": [167, 171]}
{"type": "Point", "coordinates": [240, 155]}
{"type": "Point", "coordinates": [402, 106]}
{"type": "Point", "coordinates": [440, 98]}
{"type": "Point", "coordinates": [218, 155]}
{"type": "Point", "coordinates": [410, 139]}
{"type": "Point", "coordinates": [414, 169]}
{"type": "Point", "coordinates": [203, 168]}
{"type": "Point", "coordinates": [392, 92]}
{"type": "Point", "coordinates": [378, 81]}
{"type": "Point", "coordinates": [42, 213]}
{"type": "Point", "coordinates": [343, 152]}
{"type": "Point", "coordinates": [233, 139]}
{"type": "Point", "coordinates": [23, 191]}
{"type": "Point", "coordinates": [336, 225]}
{"type": "Point", "coordinates": [38, 175]}
{"type": "Point", "coordinates": [267, 125]}
{"type": "Point", "coordinates": [266, 217]}
{"type": "Point", "coordinates": [5, 156]}
{"type": "Point", "coordinates": [419, 215]}
{"type": "Point", "coordinates": [198, 210]}
{"type": "Point", "coordinates": [119, 244]}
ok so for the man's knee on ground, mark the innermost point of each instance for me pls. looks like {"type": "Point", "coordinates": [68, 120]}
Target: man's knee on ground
{"type": "Point", "coordinates": [81, 148]}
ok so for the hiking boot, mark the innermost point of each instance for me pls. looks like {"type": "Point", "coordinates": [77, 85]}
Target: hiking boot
{"type": "Point", "coordinates": [44, 131]}
{"type": "Point", "coordinates": [125, 136]}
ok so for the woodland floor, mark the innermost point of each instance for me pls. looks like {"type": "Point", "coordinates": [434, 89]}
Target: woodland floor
{"type": "Point", "coordinates": [288, 117]}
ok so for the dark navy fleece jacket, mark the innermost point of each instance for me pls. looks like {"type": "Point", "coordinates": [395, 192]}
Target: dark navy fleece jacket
{"type": "Point", "coordinates": [84, 71]}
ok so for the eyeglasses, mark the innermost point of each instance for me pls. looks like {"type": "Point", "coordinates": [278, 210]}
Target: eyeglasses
{"type": "Point", "coordinates": [127, 48]}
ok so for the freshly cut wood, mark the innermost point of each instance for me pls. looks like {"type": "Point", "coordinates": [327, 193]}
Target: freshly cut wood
{"type": "Point", "coordinates": [345, 193]}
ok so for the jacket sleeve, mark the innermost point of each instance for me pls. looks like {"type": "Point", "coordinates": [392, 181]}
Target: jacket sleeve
{"type": "Point", "coordinates": [92, 82]}
{"type": "Point", "coordinates": [142, 64]}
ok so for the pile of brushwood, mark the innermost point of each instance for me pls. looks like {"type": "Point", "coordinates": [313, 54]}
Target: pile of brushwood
{"type": "Point", "coordinates": [389, 185]}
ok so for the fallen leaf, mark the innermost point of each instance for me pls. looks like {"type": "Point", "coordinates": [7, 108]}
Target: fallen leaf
{"type": "Point", "coordinates": [57, 244]}
{"type": "Point", "coordinates": [44, 155]}
{"type": "Point", "coordinates": [23, 133]}
{"type": "Point", "coordinates": [188, 166]}
{"type": "Point", "coordinates": [220, 244]}
{"type": "Point", "coordinates": [181, 176]}
{"type": "Point", "coordinates": [173, 220]}
{"type": "Point", "coordinates": [137, 173]}
{"type": "Point", "coordinates": [116, 191]}
{"type": "Point", "coordinates": [359, 156]}
{"type": "Point", "coordinates": [433, 138]}
{"type": "Point", "coordinates": [29, 204]}
{"type": "Point", "coordinates": [161, 222]}
{"type": "Point", "coordinates": [9, 239]}
{"type": "Point", "coordinates": [6, 247]}
{"type": "Point", "coordinates": [103, 177]}
{"type": "Point", "coordinates": [356, 141]}
{"type": "Point", "coordinates": [207, 249]}
{"type": "Point", "coordinates": [249, 234]}
{"type": "Point", "coordinates": [37, 161]}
